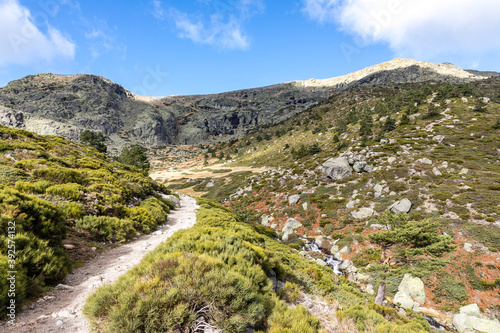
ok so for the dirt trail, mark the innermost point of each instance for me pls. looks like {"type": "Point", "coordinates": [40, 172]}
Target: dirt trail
{"type": "Point", "coordinates": [207, 172]}
{"type": "Point", "coordinates": [61, 309]}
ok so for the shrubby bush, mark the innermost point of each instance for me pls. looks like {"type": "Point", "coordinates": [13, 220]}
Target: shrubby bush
{"type": "Point", "coordinates": [69, 190]}
{"type": "Point", "coordinates": [107, 227]}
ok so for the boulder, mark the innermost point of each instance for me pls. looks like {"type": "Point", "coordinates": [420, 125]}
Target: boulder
{"type": "Point", "coordinates": [264, 220]}
{"type": "Point", "coordinates": [363, 213]}
{"type": "Point", "coordinates": [425, 160]}
{"type": "Point", "coordinates": [391, 160]}
{"type": "Point", "coordinates": [436, 172]}
{"type": "Point", "coordinates": [364, 277]}
{"type": "Point", "coordinates": [345, 250]}
{"type": "Point", "coordinates": [290, 225]}
{"type": "Point", "coordinates": [368, 168]}
{"type": "Point", "coordinates": [293, 199]}
{"type": "Point", "coordinates": [337, 256]}
{"type": "Point", "coordinates": [468, 247]}
{"type": "Point", "coordinates": [345, 265]}
{"type": "Point", "coordinates": [305, 206]}
{"type": "Point", "coordinates": [359, 166]}
{"type": "Point", "coordinates": [320, 262]}
{"type": "Point", "coordinates": [403, 300]}
{"type": "Point", "coordinates": [337, 168]}
{"type": "Point", "coordinates": [173, 199]}
{"type": "Point", "coordinates": [334, 248]}
{"type": "Point", "coordinates": [438, 138]}
{"type": "Point", "coordinates": [465, 323]}
{"type": "Point", "coordinates": [471, 310]}
{"type": "Point", "coordinates": [463, 171]}
{"type": "Point", "coordinates": [401, 206]}
{"type": "Point", "coordinates": [413, 287]}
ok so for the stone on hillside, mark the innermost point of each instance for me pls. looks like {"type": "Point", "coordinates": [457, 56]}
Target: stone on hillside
{"type": "Point", "coordinates": [335, 248]}
{"type": "Point", "coordinates": [359, 166]}
{"type": "Point", "coordinates": [337, 168]}
{"type": "Point", "coordinates": [404, 300]}
{"type": "Point", "coordinates": [383, 141]}
{"type": "Point", "coordinates": [425, 160]}
{"type": "Point", "coordinates": [305, 206]}
{"type": "Point", "coordinates": [368, 168]}
{"type": "Point", "coordinates": [436, 172]}
{"type": "Point", "coordinates": [346, 249]}
{"type": "Point", "coordinates": [369, 289]}
{"type": "Point", "coordinates": [464, 171]}
{"type": "Point", "coordinates": [173, 199]}
{"type": "Point", "coordinates": [320, 262]}
{"type": "Point", "coordinates": [438, 138]}
{"type": "Point", "coordinates": [471, 310]}
{"type": "Point", "coordinates": [293, 199]}
{"type": "Point", "coordinates": [337, 256]}
{"type": "Point", "coordinates": [465, 323]}
{"type": "Point", "coordinates": [401, 206]}
{"type": "Point", "coordinates": [264, 220]}
{"type": "Point", "coordinates": [364, 277]}
{"type": "Point", "coordinates": [468, 247]}
{"type": "Point", "coordinates": [363, 213]}
{"type": "Point", "coordinates": [414, 287]}
{"type": "Point", "coordinates": [353, 203]}
{"type": "Point", "coordinates": [391, 160]}
{"type": "Point", "coordinates": [345, 265]}
{"type": "Point", "coordinates": [290, 225]}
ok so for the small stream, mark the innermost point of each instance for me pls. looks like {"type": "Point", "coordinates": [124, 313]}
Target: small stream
{"type": "Point", "coordinates": [334, 264]}
{"type": "Point", "coordinates": [330, 261]}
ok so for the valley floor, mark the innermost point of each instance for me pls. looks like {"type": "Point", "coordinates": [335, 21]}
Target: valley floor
{"type": "Point", "coordinates": [61, 309]}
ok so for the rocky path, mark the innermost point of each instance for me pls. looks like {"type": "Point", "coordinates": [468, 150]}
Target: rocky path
{"type": "Point", "coordinates": [61, 309]}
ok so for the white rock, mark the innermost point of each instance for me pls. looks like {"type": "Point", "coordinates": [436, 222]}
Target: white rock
{"type": "Point", "coordinates": [413, 287]}
{"type": "Point", "coordinates": [402, 206]}
{"type": "Point", "coordinates": [471, 310]}
{"type": "Point", "coordinates": [436, 172]}
{"type": "Point", "coordinates": [424, 160]}
{"type": "Point", "coordinates": [363, 213]}
{"type": "Point", "coordinates": [404, 300]}
{"type": "Point", "coordinates": [464, 171]}
{"type": "Point", "coordinates": [293, 199]}
{"type": "Point", "coordinates": [468, 247]}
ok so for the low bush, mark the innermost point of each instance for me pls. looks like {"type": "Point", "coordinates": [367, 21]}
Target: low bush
{"type": "Point", "coordinates": [69, 190]}
{"type": "Point", "coordinates": [107, 227]}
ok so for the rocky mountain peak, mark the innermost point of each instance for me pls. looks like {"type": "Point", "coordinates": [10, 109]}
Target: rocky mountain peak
{"type": "Point", "coordinates": [399, 66]}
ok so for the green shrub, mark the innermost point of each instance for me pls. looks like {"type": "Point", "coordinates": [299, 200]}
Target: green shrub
{"type": "Point", "coordinates": [69, 190]}
{"type": "Point", "coordinates": [59, 175]}
{"type": "Point", "coordinates": [36, 187]}
{"type": "Point", "coordinates": [142, 218]}
{"type": "Point", "coordinates": [179, 291]}
{"type": "Point", "coordinates": [292, 320]}
{"type": "Point", "coordinates": [72, 210]}
{"type": "Point", "coordinates": [290, 292]}
{"type": "Point", "coordinates": [107, 227]}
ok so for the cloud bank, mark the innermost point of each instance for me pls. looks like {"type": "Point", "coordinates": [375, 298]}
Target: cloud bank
{"type": "Point", "coordinates": [220, 24]}
{"type": "Point", "coordinates": [22, 42]}
{"type": "Point", "coordinates": [422, 28]}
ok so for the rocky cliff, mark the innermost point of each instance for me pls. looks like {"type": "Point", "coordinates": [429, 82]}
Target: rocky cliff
{"type": "Point", "coordinates": [67, 104]}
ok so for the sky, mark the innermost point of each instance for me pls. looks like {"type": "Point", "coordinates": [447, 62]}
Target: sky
{"type": "Point", "coordinates": [162, 47]}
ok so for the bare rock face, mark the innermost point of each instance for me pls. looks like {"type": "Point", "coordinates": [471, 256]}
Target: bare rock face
{"type": "Point", "coordinates": [401, 206]}
{"type": "Point", "coordinates": [337, 168]}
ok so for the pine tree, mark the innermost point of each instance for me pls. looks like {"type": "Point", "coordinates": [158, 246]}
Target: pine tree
{"type": "Point", "coordinates": [389, 125]}
{"type": "Point", "coordinates": [408, 246]}
{"type": "Point", "coordinates": [94, 139]}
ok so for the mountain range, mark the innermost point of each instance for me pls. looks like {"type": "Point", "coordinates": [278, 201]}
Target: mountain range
{"type": "Point", "coordinates": [65, 105]}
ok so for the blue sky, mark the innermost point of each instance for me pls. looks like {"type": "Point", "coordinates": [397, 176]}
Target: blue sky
{"type": "Point", "coordinates": [161, 47]}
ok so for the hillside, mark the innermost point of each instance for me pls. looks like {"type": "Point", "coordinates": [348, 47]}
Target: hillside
{"type": "Point", "coordinates": [66, 105]}
{"type": "Point", "coordinates": [60, 204]}
{"type": "Point", "coordinates": [431, 149]}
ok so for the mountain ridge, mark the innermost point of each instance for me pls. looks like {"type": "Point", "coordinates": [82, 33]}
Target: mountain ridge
{"type": "Point", "coordinates": [66, 105]}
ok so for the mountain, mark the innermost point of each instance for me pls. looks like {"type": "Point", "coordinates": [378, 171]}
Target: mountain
{"type": "Point", "coordinates": [65, 105]}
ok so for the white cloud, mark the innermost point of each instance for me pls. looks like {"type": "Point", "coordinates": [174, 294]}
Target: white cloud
{"type": "Point", "coordinates": [219, 24]}
{"type": "Point", "coordinates": [321, 10]}
{"type": "Point", "coordinates": [102, 39]}
{"type": "Point", "coordinates": [422, 28]}
{"type": "Point", "coordinates": [23, 43]}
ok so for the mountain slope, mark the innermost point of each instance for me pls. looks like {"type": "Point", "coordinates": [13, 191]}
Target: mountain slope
{"type": "Point", "coordinates": [66, 105]}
